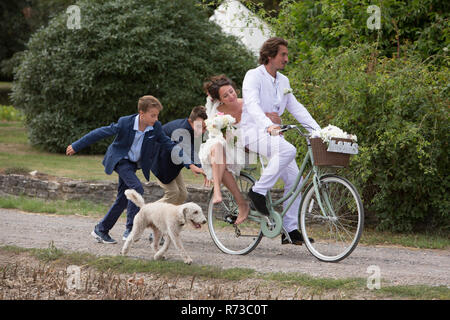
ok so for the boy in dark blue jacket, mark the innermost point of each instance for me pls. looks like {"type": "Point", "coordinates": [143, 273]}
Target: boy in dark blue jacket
{"type": "Point", "coordinates": [168, 165]}
{"type": "Point", "coordinates": [132, 149]}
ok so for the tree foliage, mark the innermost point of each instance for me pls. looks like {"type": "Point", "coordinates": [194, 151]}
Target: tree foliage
{"type": "Point", "coordinates": [398, 108]}
{"type": "Point", "coordinates": [71, 81]}
{"type": "Point", "coordinates": [387, 86]}
{"type": "Point", "coordinates": [19, 19]}
{"type": "Point", "coordinates": [422, 25]}
{"type": "Point", "coordinates": [14, 33]}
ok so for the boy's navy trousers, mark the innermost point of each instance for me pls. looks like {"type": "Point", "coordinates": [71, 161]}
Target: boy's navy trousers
{"type": "Point", "coordinates": [127, 180]}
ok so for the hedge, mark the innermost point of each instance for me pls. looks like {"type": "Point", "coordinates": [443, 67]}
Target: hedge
{"type": "Point", "coordinates": [71, 81]}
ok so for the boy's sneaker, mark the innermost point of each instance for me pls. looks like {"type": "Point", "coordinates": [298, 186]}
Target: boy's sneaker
{"type": "Point", "coordinates": [126, 234]}
{"type": "Point", "coordinates": [102, 237]}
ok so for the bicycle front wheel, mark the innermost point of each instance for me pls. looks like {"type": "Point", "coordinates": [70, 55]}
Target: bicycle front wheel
{"type": "Point", "coordinates": [336, 223]}
{"type": "Point", "coordinates": [228, 237]}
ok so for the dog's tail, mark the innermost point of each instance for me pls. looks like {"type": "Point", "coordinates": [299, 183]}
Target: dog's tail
{"type": "Point", "coordinates": [135, 197]}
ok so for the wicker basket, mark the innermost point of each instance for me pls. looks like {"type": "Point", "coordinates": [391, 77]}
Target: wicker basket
{"type": "Point", "coordinates": [323, 158]}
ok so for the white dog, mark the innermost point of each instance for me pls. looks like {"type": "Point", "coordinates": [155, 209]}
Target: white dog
{"type": "Point", "coordinates": [166, 220]}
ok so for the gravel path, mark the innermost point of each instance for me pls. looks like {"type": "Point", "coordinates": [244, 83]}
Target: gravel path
{"type": "Point", "coordinates": [398, 266]}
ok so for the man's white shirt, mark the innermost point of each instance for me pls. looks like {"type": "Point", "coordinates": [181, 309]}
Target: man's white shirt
{"type": "Point", "coordinates": [263, 93]}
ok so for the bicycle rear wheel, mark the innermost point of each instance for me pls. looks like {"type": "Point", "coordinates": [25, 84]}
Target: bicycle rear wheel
{"type": "Point", "coordinates": [229, 238]}
{"type": "Point", "coordinates": [336, 232]}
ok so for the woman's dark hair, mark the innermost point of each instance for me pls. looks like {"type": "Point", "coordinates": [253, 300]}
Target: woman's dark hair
{"type": "Point", "coordinates": [270, 49]}
{"type": "Point", "coordinates": [214, 84]}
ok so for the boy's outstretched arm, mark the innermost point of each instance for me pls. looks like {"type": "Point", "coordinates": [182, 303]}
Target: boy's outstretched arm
{"type": "Point", "coordinates": [92, 137]}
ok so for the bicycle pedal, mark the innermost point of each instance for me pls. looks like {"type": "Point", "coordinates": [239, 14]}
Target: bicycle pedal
{"type": "Point", "coordinates": [230, 219]}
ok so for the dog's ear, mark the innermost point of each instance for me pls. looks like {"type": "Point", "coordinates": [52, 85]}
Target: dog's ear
{"type": "Point", "coordinates": [182, 215]}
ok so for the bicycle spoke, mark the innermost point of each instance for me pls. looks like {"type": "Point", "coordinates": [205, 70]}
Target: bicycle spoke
{"type": "Point", "coordinates": [228, 237]}
{"type": "Point", "coordinates": [337, 232]}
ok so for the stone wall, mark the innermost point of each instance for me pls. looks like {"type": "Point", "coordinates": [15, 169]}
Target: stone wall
{"type": "Point", "coordinates": [53, 188]}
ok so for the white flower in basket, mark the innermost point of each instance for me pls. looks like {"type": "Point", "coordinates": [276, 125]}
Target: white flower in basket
{"type": "Point", "coordinates": [332, 132]}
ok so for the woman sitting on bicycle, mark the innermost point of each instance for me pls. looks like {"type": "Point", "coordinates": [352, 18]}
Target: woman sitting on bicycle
{"type": "Point", "coordinates": [221, 157]}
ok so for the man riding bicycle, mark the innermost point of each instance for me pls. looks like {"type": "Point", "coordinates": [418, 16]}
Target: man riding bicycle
{"type": "Point", "coordinates": [265, 90]}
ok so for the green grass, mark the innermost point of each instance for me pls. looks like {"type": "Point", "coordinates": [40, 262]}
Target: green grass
{"type": "Point", "coordinates": [80, 167]}
{"type": "Point", "coordinates": [129, 265]}
{"type": "Point", "coordinates": [350, 287]}
{"type": "Point", "coordinates": [413, 240]}
{"type": "Point", "coordinates": [12, 133]}
{"type": "Point", "coordinates": [15, 151]}
{"type": "Point", "coordinates": [415, 292]}
{"type": "Point", "coordinates": [62, 207]}
{"type": "Point", "coordinates": [314, 282]}
{"type": "Point", "coordinates": [172, 268]}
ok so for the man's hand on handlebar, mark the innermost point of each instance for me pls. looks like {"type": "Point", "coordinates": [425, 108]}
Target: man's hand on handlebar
{"type": "Point", "coordinates": [274, 130]}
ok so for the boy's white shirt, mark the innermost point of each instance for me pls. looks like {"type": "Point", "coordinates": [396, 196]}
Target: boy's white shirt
{"type": "Point", "coordinates": [263, 93]}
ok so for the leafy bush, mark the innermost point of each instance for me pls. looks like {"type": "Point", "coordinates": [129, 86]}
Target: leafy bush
{"type": "Point", "coordinates": [333, 23]}
{"type": "Point", "coordinates": [398, 108]}
{"type": "Point", "coordinates": [72, 81]}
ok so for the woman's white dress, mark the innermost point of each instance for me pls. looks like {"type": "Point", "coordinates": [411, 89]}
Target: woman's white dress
{"type": "Point", "coordinates": [234, 150]}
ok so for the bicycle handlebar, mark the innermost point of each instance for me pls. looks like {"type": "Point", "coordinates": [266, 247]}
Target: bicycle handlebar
{"type": "Point", "coordinates": [286, 127]}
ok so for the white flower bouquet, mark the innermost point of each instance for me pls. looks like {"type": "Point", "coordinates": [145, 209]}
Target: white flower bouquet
{"type": "Point", "coordinates": [220, 124]}
{"type": "Point", "coordinates": [331, 131]}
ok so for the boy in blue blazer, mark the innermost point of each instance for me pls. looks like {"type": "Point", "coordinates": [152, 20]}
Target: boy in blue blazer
{"type": "Point", "coordinates": [132, 149]}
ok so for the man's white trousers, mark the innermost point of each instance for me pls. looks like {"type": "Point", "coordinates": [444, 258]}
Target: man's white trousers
{"type": "Point", "coordinates": [281, 164]}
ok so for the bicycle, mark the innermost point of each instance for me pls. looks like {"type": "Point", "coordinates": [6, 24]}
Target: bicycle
{"type": "Point", "coordinates": [331, 213]}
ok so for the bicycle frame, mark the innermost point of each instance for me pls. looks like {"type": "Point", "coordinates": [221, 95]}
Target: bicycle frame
{"type": "Point", "coordinates": [322, 192]}
{"type": "Point", "coordinates": [298, 187]}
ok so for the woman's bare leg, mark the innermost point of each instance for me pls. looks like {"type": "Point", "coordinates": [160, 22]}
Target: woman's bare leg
{"type": "Point", "coordinates": [243, 206]}
{"type": "Point", "coordinates": [218, 168]}
{"type": "Point", "coordinates": [220, 174]}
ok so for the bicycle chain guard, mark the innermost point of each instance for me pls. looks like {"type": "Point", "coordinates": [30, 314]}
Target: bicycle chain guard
{"type": "Point", "coordinates": [271, 226]}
